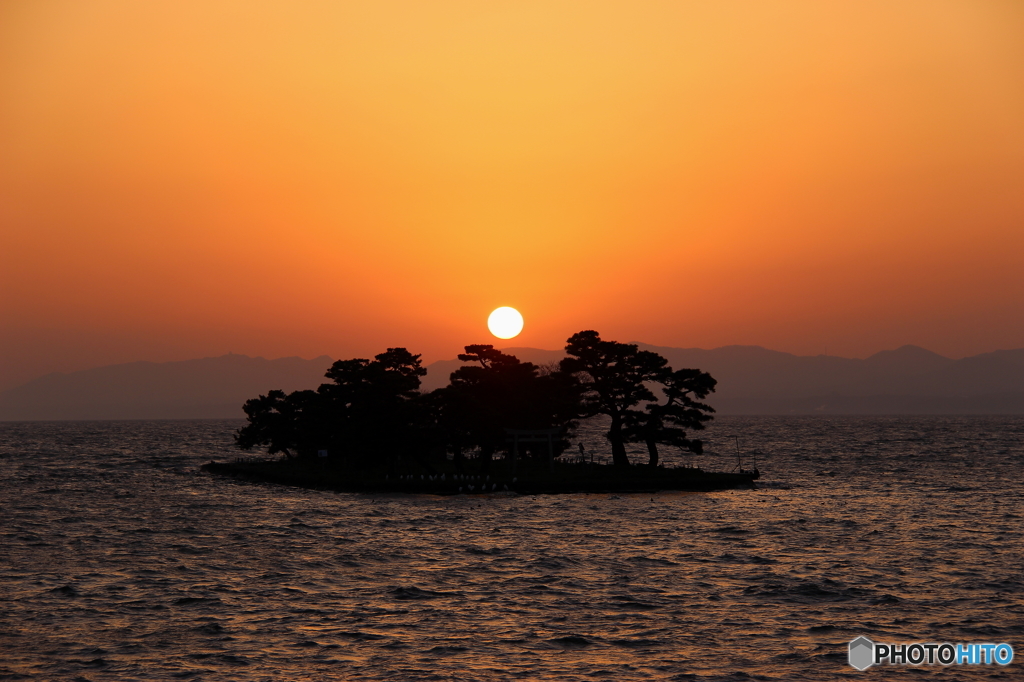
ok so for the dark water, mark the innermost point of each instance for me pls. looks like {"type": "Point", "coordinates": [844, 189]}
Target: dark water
{"type": "Point", "coordinates": [119, 560]}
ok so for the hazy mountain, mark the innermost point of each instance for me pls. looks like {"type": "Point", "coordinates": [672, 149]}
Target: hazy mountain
{"type": "Point", "coordinates": [751, 380]}
{"type": "Point", "coordinates": [190, 389]}
{"type": "Point", "coordinates": [908, 380]}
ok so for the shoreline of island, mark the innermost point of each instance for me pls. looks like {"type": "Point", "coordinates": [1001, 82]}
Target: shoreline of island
{"type": "Point", "coordinates": [562, 478]}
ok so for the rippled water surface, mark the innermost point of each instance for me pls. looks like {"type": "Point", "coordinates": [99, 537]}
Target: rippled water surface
{"type": "Point", "coordinates": [120, 560]}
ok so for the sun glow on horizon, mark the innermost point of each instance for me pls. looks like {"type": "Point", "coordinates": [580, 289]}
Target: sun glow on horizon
{"type": "Point", "coordinates": [505, 322]}
{"type": "Point", "coordinates": [300, 179]}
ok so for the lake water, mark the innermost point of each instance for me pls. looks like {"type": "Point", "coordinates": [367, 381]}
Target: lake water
{"type": "Point", "coordinates": [120, 560]}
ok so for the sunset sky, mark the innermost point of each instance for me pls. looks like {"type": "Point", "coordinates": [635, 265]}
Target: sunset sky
{"type": "Point", "coordinates": [183, 179]}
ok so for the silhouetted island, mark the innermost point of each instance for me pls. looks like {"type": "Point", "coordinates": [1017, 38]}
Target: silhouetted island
{"type": "Point", "coordinates": [500, 425]}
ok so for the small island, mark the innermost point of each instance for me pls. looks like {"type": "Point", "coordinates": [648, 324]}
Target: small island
{"type": "Point", "coordinates": [501, 425]}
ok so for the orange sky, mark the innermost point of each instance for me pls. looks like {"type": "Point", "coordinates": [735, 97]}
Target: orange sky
{"type": "Point", "coordinates": [181, 179]}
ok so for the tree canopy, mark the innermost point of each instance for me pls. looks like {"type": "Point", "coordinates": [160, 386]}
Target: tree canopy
{"type": "Point", "coordinates": [370, 408]}
{"type": "Point", "coordinates": [372, 412]}
{"type": "Point", "coordinates": [668, 422]}
{"type": "Point", "coordinates": [499, 393]}
{"type": "Point", "coordinates": [617, 377]}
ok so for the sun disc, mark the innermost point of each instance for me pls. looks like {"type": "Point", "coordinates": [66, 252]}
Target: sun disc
{"type": "Point", "coordinates": [505, 322]}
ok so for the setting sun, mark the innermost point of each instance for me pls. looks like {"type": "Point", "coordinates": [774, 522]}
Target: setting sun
{"type": "Point", "coordinates": [505, 322]}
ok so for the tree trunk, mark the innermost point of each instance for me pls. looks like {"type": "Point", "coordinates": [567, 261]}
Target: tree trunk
{"type": "Point", "coordinates": [485, 458]}
{"type": "Point", "coordinates": [651, 430]}
{"type": "Point", "coordinates": [652, 450]}
{"type": "Point", "coordinates": [619, 457]}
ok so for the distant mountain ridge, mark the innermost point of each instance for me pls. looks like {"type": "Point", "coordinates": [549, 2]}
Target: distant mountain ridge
{"type": "Point", "coordinates": [208, 388]}
{"type": "Point", "coordinates": [908, 380]}
{"type": "Point", "coordinates": [751, 380]}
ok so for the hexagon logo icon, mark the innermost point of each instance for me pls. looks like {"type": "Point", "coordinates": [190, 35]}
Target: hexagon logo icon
{"type": "Point", "coordinates": [862, 653]}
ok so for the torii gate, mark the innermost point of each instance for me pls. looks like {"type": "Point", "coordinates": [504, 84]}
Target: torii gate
{"type": "Point", "coordinates": [533, 436]}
